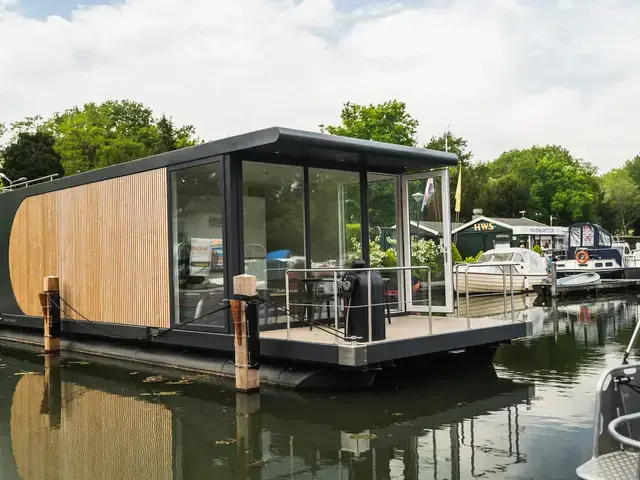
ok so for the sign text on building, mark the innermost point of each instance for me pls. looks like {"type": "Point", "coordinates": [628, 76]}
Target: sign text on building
{"type": "Point", "coordinates": [483, 226]}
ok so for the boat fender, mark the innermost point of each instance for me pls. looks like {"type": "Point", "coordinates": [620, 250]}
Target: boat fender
{"type": "Point", "coordinates": [582, 257]}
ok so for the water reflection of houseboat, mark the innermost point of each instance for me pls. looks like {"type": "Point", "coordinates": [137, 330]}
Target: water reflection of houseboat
{"type": "Point", "coordinates": [155, 436]}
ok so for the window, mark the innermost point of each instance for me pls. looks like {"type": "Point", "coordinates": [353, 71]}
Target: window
{"type": "Point", "coordinates": [198, 255]}
{"type": "Point", "coordinates": [334, 207]}
{"type": "Point", "coordinates": [273, 217]}
{"type": "Point", "coordinates": [574, 237]}
{"type": "Point", "coordinates": [587, 236]}
{"type": "Point", "coordinates": [605, 240]}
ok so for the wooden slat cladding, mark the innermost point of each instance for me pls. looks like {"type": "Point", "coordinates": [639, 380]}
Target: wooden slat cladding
{"type": "Point", "coordinates": [107, 241]}
{"type": "Point", "coordinates": [33, 250]}
{"type": "Point", "coordinates": [101, 435]}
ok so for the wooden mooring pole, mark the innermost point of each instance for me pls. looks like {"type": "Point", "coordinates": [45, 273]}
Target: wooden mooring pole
{"type": "Point", "coordinates": [247, 363]}
{"type": "Point", "coordinates": [50, 303]}
{"type": "Point", "coordinates": [246, 334]}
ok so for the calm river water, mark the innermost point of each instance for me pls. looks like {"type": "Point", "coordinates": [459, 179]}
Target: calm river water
{"type": "Point", "coordinates": [529, 417]}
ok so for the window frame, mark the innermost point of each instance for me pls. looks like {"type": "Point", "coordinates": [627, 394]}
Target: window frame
{"type": "Point", "coordinates": [170, 204]}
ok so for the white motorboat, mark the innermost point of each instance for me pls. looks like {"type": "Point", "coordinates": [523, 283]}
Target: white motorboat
{"type": "Point", "coordinates": [496, 269]}
{"type": "Point", "coordinates": [578, 280]}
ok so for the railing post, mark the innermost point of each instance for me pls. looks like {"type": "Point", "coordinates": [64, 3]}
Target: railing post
{"type": "Point", "coordinates": [369, 310]}
{"type": "Point", "coordinates": [287, 301]}
{"type": "Point", "coordinates": [430, 308]}
{"type": "Point", "coordinates": [513, 315]}
{"type": "Point", "coordinates": [50, 303]}
{"type": "Point", "coordinates": [335, 303]}
{"type": "Point", "coordinates": [246, 334]}
{"type": "Point", "coordinates": [466, 288]}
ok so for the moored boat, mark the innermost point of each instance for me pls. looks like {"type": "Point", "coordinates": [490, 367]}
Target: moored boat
{"type": "Point", "coordinates": [496, 269]}
{"type": "Point", "coordinates": [592, 249]}
{"type": "Point", "coordinates": [579, 280]}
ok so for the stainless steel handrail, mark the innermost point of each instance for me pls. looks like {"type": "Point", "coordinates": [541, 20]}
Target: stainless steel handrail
{"type": "Point", "coordinates": [466, 266]}
{"type": "Point", "coordinates": [629, 442]}
{"type": "Point", "coordinates": [26, 183]}
{"type": "Point", "coordinates": [335, 272]}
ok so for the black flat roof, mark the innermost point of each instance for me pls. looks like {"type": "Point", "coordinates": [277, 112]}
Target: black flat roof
{"type": "Point", "coordinates": [319, 149]}
{"type": "Point", "coordinates": [274, 145]}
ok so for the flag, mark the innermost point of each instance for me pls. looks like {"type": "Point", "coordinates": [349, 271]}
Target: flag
{"type": "Point", "coordinates": [459, 190]}
{"type": "Point", "coordinates": [429, 189]}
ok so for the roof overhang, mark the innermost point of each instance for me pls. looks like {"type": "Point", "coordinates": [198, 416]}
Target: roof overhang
{"type": "Point", "coordinates": [284, 145]}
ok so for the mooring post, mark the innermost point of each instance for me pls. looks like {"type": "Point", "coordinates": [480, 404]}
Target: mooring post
{"type": "Point", "coordinates": [246, 334]}
{"type": "Point", "coordinates": [50, 302]}
{"type": "Point", "coordinates": [554, 280]}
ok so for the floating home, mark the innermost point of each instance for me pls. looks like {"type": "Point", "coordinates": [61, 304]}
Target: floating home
{"type": "Point", "coordinates": [146, 250]}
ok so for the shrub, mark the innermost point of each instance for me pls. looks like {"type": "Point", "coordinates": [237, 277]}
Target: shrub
{"type": "Point", "coordinates": [455, 254]}
{"type": "Point", "coordinates": [538, 249]}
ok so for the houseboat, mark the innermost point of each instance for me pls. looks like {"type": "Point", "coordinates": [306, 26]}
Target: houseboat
{"type": "Point", "coordinates": [138, 249]}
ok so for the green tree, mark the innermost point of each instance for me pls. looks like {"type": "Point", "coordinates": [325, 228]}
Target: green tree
{"type": "Point", "coordinates": [559, 184]}
{"type": "Point", "coordinates": [505, 196]}
{"type": "Point", "coordinates": [621, 195]}
{"type": "Point", "coordinates": [31, 155]}
{"type": "Point", "coordinates": [99, 135]}
{"type": "Point", "coordinates": [632, 167]}
{"type": "Point", "coordinates": [386, 122]}
{"type": "Point", "coordinates": [452, 144]}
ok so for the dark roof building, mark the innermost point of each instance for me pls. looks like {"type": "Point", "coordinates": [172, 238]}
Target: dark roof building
{"type": "Point", "coordinates": [485, 233]}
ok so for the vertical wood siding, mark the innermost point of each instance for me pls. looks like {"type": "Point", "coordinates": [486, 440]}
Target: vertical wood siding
{"type": "Point", "coordinates": [108, 243]}
{"type": "Point", "coordinates": [101, 435]}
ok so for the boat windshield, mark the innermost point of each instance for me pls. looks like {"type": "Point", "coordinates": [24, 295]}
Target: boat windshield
{"type": "Point", "coordinates": [495, 257]}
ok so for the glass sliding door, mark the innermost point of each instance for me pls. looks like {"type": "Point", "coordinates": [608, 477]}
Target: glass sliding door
{"type": "Point", "coordinates": [427, 240]}
{"type": "Point", "coordinates": [384, 248]}
{"type": "Point", "coordinates": [198, 253]}
{"type": "Point", "coordinates": [273, 220]}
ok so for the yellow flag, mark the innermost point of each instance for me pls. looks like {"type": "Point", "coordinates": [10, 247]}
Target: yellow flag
{"type": "Point", "coordinates": [459, 189]}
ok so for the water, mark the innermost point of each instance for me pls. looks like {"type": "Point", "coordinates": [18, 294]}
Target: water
{"type": "Point", "coordinates": [529, 417]}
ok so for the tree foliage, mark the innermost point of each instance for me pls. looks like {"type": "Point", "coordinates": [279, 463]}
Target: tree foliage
{"type": "Point", "coordinates": [558, 184]}
{"type": "Point", "coordinates": [504, 196]}
{"type": "Point", "coordinates": [386, 122]}
{"type": "Point", "coordinates": [99, 135]}
{"type": "Point", "coordinates": [621, 195]}
{"type": "Point", "coordinates": [31, 155]}
{"type": "Point", "coordinates": [447, 142]}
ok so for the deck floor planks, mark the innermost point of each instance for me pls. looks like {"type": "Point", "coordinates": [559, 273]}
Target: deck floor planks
{"type": "Point", "coordinates": [401, 328]}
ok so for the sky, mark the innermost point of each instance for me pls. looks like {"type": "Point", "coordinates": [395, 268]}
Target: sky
{"type": "Point", "coordinates": [503, 74]}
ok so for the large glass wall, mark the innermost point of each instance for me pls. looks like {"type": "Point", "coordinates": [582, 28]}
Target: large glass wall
{"type": "Point", "coordinates": [198, 255]}
{"type": "Point", "coordinates": [384, 250]}
{"type": "Point", "coordinates": [334, 207]}
{"type": "Point", "coordinates": [273, 219]}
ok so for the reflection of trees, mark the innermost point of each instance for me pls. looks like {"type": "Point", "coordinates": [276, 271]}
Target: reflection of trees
{"type": "Point", "coordinates": [574, 344]}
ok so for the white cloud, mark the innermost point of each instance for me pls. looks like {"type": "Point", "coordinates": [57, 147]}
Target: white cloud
{"type": "Point", "coordinates": [503, 74]}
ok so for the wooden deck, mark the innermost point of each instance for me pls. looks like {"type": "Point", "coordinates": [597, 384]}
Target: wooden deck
{"type": "Point", "coordinates": [401, 328]}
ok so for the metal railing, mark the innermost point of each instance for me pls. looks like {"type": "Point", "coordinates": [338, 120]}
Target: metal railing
{"type": "Point", "coordinates": [26, 183]}
{"type": "Point", "coordinates": [630, 261]}
{"type": "Point", "coordinates": [369, 305]}
{"type": "Point", "coordinates": [500, 265]}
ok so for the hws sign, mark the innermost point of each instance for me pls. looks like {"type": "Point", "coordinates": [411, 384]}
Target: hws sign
{"type": "Point", "coordinates": [483, 226]}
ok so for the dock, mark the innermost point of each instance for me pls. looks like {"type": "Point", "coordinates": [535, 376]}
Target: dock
{"type": "Point", "coordinates": [604, 287]}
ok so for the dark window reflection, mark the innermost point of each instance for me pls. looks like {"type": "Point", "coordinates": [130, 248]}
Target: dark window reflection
{"type": "Point", "coordinates": [197, 245]}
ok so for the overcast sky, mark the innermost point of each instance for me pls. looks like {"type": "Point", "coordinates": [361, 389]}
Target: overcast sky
{"type": "Point", "coordinates": [503, 73]}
